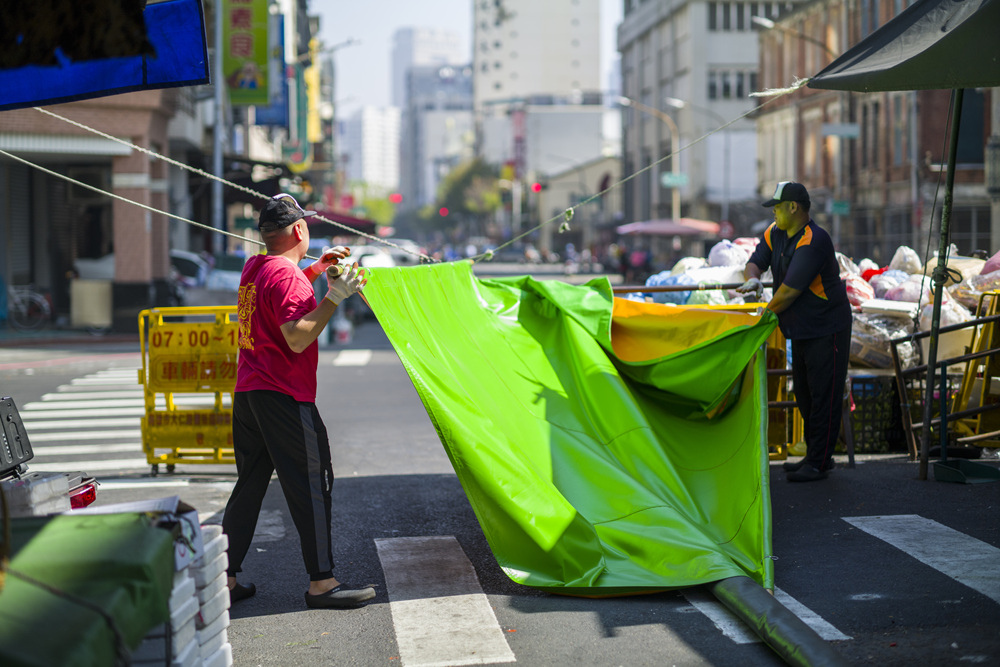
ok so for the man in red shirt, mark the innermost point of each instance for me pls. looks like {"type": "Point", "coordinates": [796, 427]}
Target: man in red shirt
{"type": "Point", "coordinates": [276, 426]}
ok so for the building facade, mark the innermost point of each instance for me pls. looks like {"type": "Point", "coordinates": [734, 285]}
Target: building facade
{"type": "Point", "coordinates": [50, 224]}
{"type": "Point", "coordinates": [525, 48]}
{"type": "Point", "coordinates": [695, 62]}
{"type": "Point", "coordinates": [874, 163]}
{"type": "Point", "coordinates": [421, 47]}
{"type": "Point", "coordinates": [438, 131]}
{"type": "Point", "coordinates": [371, 145]}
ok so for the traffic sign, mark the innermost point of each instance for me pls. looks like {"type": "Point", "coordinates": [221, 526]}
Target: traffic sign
{"type": "Point", "coordinates": [669, 179]}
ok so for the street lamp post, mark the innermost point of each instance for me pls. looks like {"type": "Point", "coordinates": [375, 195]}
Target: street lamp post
{"type": "Point", "coordinates": [680, 104]}
{"type": "Point", "coordinates": [674, 142]}
{"type": "Point", "coordinates": [771, 25]}
{"type": "Point", "coordinates": [845, 107]}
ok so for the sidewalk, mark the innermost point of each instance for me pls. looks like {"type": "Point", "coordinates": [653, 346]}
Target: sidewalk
{"type": "Point", "coordinates": [10, 337]}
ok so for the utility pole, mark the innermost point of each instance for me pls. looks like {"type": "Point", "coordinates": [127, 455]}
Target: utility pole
{"type": "Point", "coordinates": [218, 208]}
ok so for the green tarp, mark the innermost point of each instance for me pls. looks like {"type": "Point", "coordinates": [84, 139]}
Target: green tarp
{"type": "Point", "coordinates": [606, 446]}
{"type": "Point", "coordinates": [119, 563]}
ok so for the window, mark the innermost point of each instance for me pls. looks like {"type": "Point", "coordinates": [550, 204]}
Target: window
{"type": "Point", "coordinates": [898, 128]}
{"type": "Point", "coordinates": [741, 20]}
{"type": "Point", "coordinates": [713, 86]}
{"type": "Point", "coordinates": [865, 136]}
{"type": "Point", "coordinates": [740, 90]}
{"type": "Point", "coordinates": [727, 91]}
{"type": "Point", "coordinates": [726, 21]}
{"type": "Point", "coordinates": [712, 26]}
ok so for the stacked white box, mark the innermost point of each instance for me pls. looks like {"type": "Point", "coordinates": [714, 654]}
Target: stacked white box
{"type": "Point", "coordinates": [209, 569]}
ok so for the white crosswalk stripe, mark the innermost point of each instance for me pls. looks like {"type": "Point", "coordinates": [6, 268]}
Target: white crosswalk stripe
{"type": "Point", "coordinates": [92, 424]}
{"type": "Point", "coordinates": [961, 557]}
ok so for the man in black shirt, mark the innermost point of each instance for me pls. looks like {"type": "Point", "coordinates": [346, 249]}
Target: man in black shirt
{"type": "Point", "coordinates": [810, 300]}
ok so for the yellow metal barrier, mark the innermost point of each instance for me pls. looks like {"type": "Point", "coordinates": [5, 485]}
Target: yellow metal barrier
{"type": "Point", "coordinates": [188, 364]}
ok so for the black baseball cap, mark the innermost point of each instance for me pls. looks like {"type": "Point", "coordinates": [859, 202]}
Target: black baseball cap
{"type": "Point", "coordinates": [279, 212]}
{"type": "Point", "coordinates": [788, 191]}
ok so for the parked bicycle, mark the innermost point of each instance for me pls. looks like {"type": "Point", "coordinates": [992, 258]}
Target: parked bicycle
{"type": "Point", "coordinates": [27, 310]}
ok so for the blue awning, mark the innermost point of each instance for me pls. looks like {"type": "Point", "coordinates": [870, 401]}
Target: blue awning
{"type": "Point", "coordinates": [175, 29]}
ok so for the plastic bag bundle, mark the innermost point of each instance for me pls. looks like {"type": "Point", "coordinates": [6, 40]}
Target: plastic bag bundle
{"type": "Point", "coordinates": [914, 289]}
{"type": "Point", "coordinates": [858, 289]}
{"type": "Point", "coordinates": [727, 253]}
{"type": "Point", "coordinates": [664, 278]}
{"type": "Point", "coordinates": [685, 264]}
{"type": "Point", "coordinates": [986, 282]}
{"type": "Point", "coordinates": [870, 337]}
{"type": "Point", "coordinates": [867, 265]}
{"type": "Point", "coordinates": [710, 297]}
{"type": "Point", "coordinates": [906, 259]}
{"type": "Point", "coordinates": [748, 243]}
{"type": "Point", "coordinates": [847, 265]}
{"type": "Point", "coordinates": [991, 265]}
{"type": "Point", "coordinates": [882, 282]}
{"type": "Point", "coordinates": [952, 312]}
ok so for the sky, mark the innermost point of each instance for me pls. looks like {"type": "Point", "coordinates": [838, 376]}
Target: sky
{"type": "Point", "coordinates": [363, 70]}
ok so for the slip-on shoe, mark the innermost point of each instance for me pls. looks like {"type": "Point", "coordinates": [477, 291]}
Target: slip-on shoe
{"type": "Point", "coordinates": [806, 474]}
{"type": "Point", "coordinates": [340, 597]}
{"type": "Point", "coordinates": [792, 466]}
{"type": "Point", "coordinates": [241, 592]}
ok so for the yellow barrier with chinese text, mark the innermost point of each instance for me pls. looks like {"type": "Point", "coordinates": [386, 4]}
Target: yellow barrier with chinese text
{"type": "Point", "coordinates": [188, 374]}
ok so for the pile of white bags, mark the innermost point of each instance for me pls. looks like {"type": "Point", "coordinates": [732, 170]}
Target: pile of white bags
{"type": "Point", "coordinates": [871, 289]}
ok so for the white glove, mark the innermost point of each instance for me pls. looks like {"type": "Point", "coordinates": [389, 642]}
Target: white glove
{"type": "Point", "coordinates": [329, 257]}
{"type": "Point", "coordinates": [751, 286]}
{"type": "Point", "coordinates": [350, 281]}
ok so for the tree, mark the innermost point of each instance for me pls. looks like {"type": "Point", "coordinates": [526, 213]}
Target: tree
{"type": "Point", "coordinates": [470, 193]}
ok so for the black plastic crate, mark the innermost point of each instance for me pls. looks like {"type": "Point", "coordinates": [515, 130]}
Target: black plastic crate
{"type": "Point", "coordinates": [876, 420]}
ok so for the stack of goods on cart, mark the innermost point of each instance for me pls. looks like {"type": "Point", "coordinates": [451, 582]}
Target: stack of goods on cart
{"type": "Point", "coordinates": [889, 302]}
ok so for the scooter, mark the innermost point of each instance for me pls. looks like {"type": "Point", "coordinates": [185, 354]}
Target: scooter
{"type": "Point", "coordinates": [25, 493]}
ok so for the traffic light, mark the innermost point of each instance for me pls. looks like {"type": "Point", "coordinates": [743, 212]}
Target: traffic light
{"type": "Point", "coordinates": [443, 211]}
{"type": "Point", "coordinates": [395, 198]}
{"type": "Point", "coordinates": [536, 187]}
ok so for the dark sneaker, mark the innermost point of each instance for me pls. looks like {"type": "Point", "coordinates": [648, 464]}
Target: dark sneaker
{"type": "Point", "coordinates": [340, 597]}
{"type": "Point", "coordinates": [792, 466]}
{"type": "Point", "coordinates": [806, 473]}
{"type": "Point", "coordinates": [240, 592]}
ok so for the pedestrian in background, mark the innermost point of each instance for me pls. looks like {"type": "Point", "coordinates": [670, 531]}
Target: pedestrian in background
{"type": "Point", "coordinates": [810, 300]}
{"type": "Point", "coordinates": [276, 426]}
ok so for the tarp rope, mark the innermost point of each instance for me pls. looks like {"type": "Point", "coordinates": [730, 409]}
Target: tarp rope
{"type": "Point", "coordinates": [565, 217]}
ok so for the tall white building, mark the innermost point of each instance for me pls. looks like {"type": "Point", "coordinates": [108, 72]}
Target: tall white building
{"type": "Point", "coordinates": [438, 131]}
{"type": "Point", "coordinates": [420, 47]}
{"type": "Point", "coordinates": [528, 48]}
{"type": "Point", "coordinates": [370, 148]}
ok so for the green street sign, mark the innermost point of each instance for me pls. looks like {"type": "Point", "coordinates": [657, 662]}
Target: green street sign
{"type": "Point", "coordinates": [669, 179]}
{"type": "Point", "coordinates": [840, 207]}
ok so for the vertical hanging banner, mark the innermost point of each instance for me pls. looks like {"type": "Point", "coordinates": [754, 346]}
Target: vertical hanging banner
{"type": "Point", "coordinates": [314, 130]}
{"type": "Point", "coordinates": [297, 152]}
{"type": "Point", "coordinates": [244, 61]}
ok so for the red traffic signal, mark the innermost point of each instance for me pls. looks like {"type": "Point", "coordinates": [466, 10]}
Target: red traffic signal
{"type": "Point", "coordinates": [536, 187]}
{"type": "Point", "coordinates": [395, 198]}
{"type": "Point", "coordinates": [443, 211]}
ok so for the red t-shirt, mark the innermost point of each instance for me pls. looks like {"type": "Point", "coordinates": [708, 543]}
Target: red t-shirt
{"type": "Point", "coordinates": [274, 291]}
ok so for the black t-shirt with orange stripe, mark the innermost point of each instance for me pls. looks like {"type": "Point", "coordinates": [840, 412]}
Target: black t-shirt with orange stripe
{"type": "Point", "coordinates": [806, 262]}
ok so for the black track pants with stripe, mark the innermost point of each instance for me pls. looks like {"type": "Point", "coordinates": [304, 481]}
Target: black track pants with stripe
{"type": "Point", "coordinates": [819, 373]}
{"type": "Point", "coordinates": [274, 432]}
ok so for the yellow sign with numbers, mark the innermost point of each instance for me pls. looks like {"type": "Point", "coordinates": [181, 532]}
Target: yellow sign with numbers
{"type": "Point", "coordinates": [188, 373]}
